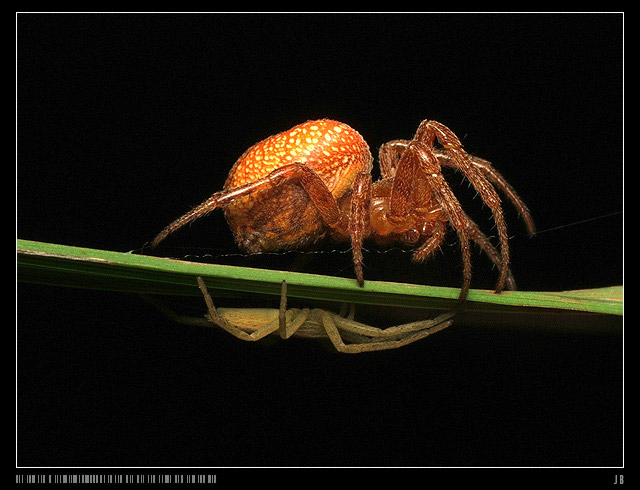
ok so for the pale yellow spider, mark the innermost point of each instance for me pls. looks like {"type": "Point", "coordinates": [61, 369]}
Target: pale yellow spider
{"type": "Point", "coordinates": [346, 334]}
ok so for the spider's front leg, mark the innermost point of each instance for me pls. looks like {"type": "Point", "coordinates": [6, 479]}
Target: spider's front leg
{"type": "Point", "coordinates": [389, 155]}
{"type": "Point", "coordinates": [417, 162]}
{"type": "Point", "coordinates": [427, 133]}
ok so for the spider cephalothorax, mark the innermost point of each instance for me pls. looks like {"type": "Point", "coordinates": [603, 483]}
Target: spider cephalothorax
{"type": "Point", "coordinates": [314, 180]}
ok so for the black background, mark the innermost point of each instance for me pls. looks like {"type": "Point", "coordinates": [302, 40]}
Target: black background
{"type": "Point", "coordinates": [127, 121]}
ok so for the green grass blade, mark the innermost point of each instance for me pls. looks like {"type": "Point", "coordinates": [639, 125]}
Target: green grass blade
{"type": "Point", "coordinates": [62, 265]}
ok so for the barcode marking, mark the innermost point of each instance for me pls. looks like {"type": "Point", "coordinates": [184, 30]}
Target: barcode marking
{"type": "Point", "coordinates": [204, 479]}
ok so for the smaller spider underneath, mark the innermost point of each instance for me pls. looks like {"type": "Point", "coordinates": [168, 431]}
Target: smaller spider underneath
{"type": "Point", "coordinates": [346, 334]}
{"type": "Point", "coordinates": [314, 181]}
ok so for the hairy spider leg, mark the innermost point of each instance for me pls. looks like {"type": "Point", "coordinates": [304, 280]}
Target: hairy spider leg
{"type": "Point", "coordinates": [427, 132]}
{"type": "Point", "coordinates": [359, 219]}
{"type": "Point", "coordinates": [498, 180]}
{"type": "Point", "coordinates": [312, 183]}
{"type": "Point", "coordinates": [418, 156]}
{"type": "Point", "coordinates": [389, 154]}
{"type": "Point", "coordinates": [426, 250]}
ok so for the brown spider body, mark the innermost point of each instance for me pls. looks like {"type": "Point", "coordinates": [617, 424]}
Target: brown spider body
{"type": "Point", "coordinates": [293, 188]}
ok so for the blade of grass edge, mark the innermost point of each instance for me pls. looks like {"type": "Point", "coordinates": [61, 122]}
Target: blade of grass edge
{"type": "Point", "coordinates": [62, 265]}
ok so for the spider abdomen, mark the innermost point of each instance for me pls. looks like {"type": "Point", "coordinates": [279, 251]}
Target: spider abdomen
{"type": "Point", "coordinates": [283, 216]}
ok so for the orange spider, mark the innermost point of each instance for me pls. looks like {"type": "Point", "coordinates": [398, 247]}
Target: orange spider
{"type": "Point", "coordinates": [314, 180]}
